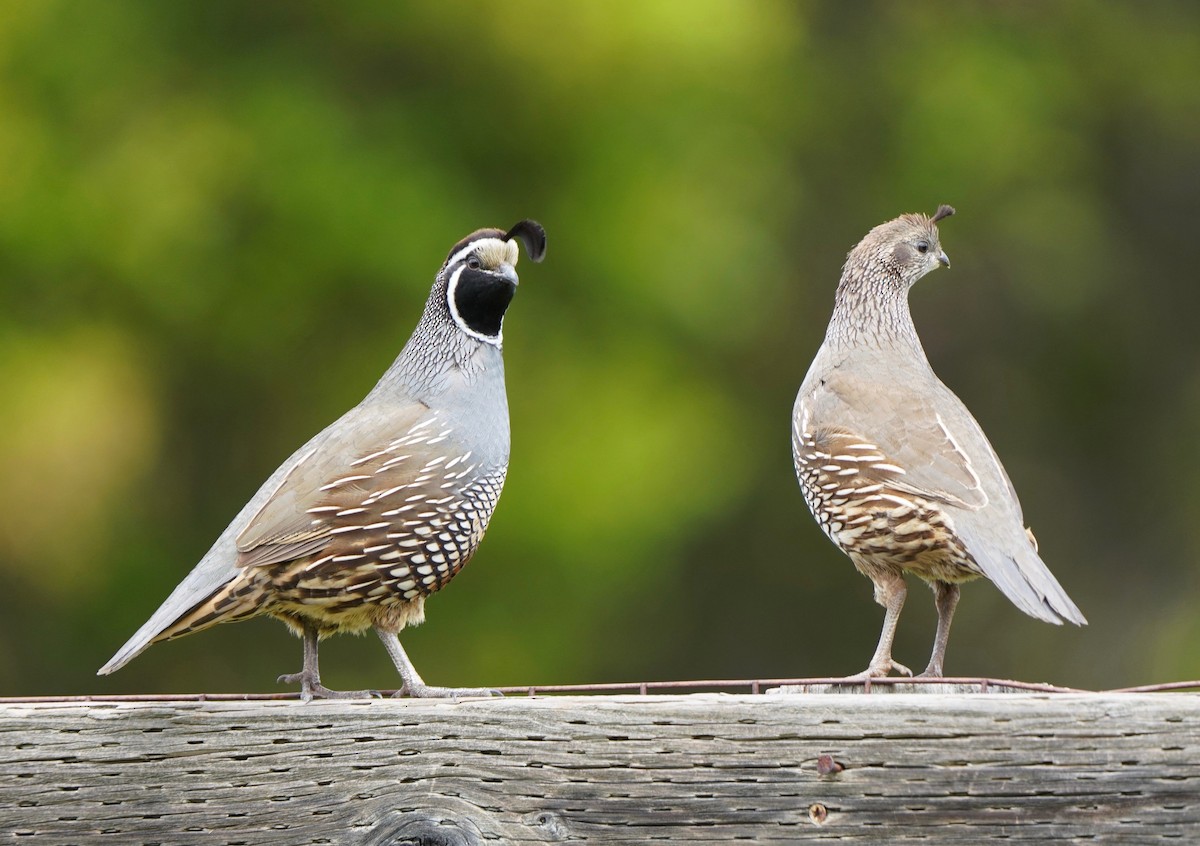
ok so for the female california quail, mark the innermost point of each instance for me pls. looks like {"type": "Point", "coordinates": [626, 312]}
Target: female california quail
{"type": "Point", "coordinates": [895, 469]}
{"type": "Point", "coordinates": [386, 505]}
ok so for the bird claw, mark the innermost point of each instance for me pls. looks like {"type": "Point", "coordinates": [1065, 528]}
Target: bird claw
{"type": "Point", "coordinates": [303, 679]}
{"type": "Point", "coordinates": [311, 688]}
{"type": "Point", "coordinates": [426, 691]}
{"type": "Point", "coordinates": [880, 670]}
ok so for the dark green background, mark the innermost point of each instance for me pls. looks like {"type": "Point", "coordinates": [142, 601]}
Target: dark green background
{"type": "Point", "coordinates": [219, 222]}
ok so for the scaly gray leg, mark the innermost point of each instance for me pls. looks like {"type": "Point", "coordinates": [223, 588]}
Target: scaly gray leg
{"type": "Point", "coordinates": [413, 685]}
{"type": "Point", "coordinates": [310, 677]}
{"type": "Point", "coordinates": [945, 596]}
{"type": "Point", "coordinates": [890, 592]}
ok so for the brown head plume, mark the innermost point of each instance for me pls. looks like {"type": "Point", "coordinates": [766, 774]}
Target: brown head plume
{"type": "Point", "coordinates": [943, 211]}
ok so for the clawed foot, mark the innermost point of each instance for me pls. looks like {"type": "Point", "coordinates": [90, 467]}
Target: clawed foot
{"type": "Point", "coordinates": [414, 686]}
{"type": "Point", "coordinates": [311, 688]}
{"type": "Point", "coordinates": [428, 691]}
{"type": "Point", "coordinates": [931, 672]}
{"type": "Point", "coordinates": [880, 670]}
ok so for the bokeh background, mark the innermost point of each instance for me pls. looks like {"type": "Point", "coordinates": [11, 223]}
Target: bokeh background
{"type": "Point", "coordinates": [219, 222]}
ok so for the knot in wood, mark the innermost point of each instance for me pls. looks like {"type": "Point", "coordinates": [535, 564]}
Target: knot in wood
{"type": "Point", "coordinates": [549, 822]}
{"type": "Point", "coordinates": [421, 829]}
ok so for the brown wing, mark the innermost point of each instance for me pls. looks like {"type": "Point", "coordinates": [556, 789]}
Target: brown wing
{"type": "Point", "coordinates": [300, 516]}
{"type": "Point", "coordinates": [897, 438]}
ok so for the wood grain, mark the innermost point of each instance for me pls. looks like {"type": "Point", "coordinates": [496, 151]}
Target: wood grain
{"type": "Point", "coordinates": [700, 768]}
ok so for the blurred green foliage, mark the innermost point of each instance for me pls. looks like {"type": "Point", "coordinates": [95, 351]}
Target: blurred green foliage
{"type": "Point", "coordinates": [219, 221]}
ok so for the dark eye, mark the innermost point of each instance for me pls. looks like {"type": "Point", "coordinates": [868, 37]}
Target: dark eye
{"type": "Point", "coordinates": [474, 263]}
{"type": "Point", "coordinates": [922, 246]}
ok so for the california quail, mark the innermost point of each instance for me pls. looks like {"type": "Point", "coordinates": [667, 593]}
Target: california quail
{"type": "Point", "coordinates": [895, 469]}
{"type": "Point", "coordinates": [386, 505]}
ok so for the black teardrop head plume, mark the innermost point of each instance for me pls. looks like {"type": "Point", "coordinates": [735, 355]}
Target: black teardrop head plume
{"type": "Point", "coordinates": [943, 211]}
{"type": "Point", "coordinates": [532, 236]}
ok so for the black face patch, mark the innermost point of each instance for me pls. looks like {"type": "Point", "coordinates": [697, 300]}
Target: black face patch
{"type": "Point", "coordinates": [481, 299]}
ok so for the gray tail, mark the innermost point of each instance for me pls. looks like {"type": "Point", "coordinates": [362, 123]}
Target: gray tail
{"type": "Point", "coordinates": [133, 647]}
{"type": "Point", "coordinates": [184, 611]}
{"type": "Point", "coordinates": [1023, 577]}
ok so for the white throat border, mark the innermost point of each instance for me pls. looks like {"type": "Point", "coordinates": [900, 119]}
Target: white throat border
{"type": "Point", "coordinates": [496, 340]}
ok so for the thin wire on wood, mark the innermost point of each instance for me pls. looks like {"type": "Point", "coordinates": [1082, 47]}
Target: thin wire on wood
{"type": "Point", "coordinates": [754, 686]}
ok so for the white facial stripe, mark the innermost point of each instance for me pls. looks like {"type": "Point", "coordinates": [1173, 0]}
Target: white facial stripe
{"type": "Point", "coordinates": [495, 340]}
{"type": "Point", "coordinates": [506, 249]}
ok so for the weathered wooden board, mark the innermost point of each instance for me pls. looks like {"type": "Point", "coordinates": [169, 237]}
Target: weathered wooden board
{"type": "Point", "coordinates": [702, 768]}
{"type": "Point", "coordinates": [893, 687]}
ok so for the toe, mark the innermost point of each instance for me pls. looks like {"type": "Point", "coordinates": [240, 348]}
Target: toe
{"type": "Point", "coordinates": [322, 692]}
{"type": "Point", "coordinates": [869, 673]}
{"type": "Point", "coordinates": [431, 692]}
{"type": "Point", "coordinates": [880, 671]}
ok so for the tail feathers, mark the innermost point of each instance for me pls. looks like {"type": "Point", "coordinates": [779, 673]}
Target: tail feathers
{"type": "Point", "coordinates": [1022, 576]}
{"type": "Point", "coordinates": [188, 608]}
{"type": "Point", "coordinates": [229, 603]}
{"type": "Point", "coordinates": [232, 603]}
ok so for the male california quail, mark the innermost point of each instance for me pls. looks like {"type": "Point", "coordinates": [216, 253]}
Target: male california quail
{"type": "Point", "coordinates": [895, 469]}
{"type": "Point", "coordinates": [383, 507]}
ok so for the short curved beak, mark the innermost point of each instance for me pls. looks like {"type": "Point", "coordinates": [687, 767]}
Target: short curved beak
{"type": "Point", "coordinates": [943, 259]}
{"type": "Point", "coordinates": [508, 272]}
